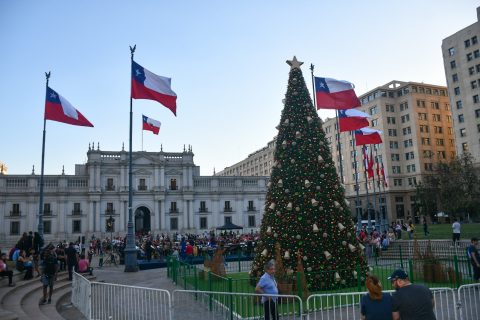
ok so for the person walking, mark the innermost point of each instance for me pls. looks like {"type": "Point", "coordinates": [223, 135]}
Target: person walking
{"type": "Point", "coordinates": [410, 301]}
{"type": "Point", "coordinates": [49, 273]}
{"type": "Point", "coordinates": [472, 253]}
{"type": "Point", "coordinates": [268, 285]}
{"type": "Point", "coordinates": [375, 305]}
{"type": "Point", "coordinates": [72, 259]}
{"type": "Point", "coordinates": [425, 227]}
{"type": "Point", "coordinates": [456, 228]}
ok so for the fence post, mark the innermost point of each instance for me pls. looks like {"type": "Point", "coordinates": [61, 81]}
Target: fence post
{"type": "Point", "coordinates": [359, 278]}
{"type": "Point", "coordinates": [238, 258]}
{"type": "Point", "coordinates": [457, 272]}
{"type": "Point", "coordinates": [299, 284]}
{"type": "Point", "coordinates": [210, 289]}
{"type": "Point", "coordinates": [230, 300]}
{"type": "Point", "coordinates": [375, 254]}
{"type": "Point", "coordinates": [410, 271]}
{"type": "Point", "coordinates": [401, 255]}
{"type": "Point", "coordinates": [174, 270]}
{"type": "Point", "coordinates": [185, 275]}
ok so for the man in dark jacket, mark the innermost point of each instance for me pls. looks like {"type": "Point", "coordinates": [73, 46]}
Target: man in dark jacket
{"type": "Point", "coordinates": [72, 260]}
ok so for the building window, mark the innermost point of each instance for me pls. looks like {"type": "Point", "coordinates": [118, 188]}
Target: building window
{"type": "Point", "coordinates": [459, 104]}
{"type": "Point", "coordinates": [403, 106]}
{"type": "Point", "coordinates": [474, 40]}
{"type": "Point", "coordinates": [454, 77]}
{"type": "Point", "coordinates": [456, 90]}
{"type": "Point", "coordinates": [110, 186]}
{"type": "Point", "coordinates": [421, 103]}
{"type": "Point", "coordinates": [441, 155]}
{"type": "Point", "coordinates": [393, 144]}
{"type": "Point", "coordinates": [173, 184]}
{"type": "Point", "coordinates": [476, 54]}
{"type": "Point", "coordinates": [469, 56]}
{"type": "Point", "coordinates": [395, 157]}
{"type": "Point", "coordinates": [14, 228]}
{"type": "Point", "coordinates": [477, 113]}
{"type": "Point", "coordinates": [453, 65]}
{"type": "Point", "coordinates": [390, 120]}
{"type": "Point", "coordinates": [228, 220]}
{"type": "Point", "coordinates": [227, 207]}
{"type": "Point", "coordinates": [427, 154]}
{"type": "Point", "coordinates": [110, 209]}
{"type": "Point", "coordinates": [142, 185]}
{"type": "Point", "coordinates": [251, 222]}
{"type": "Point", "coordinates": [408, 143]}
{"type": "Point", "coordinates": [373, 110]}
{"type": "Point", "coordinates": [424, 128]}
{"type": "Point", "coordinates": [449, 118]}
{"type": "Point", "coordinates": [475, 98]}
{"type": "Point", "coordinates": [174, 223]}
{"type": "Point", "coordinates": [426, 141]}
{"type": "Point", "coordinates": [47, 227]}
{"type": "Point", "coordinates": [374, 122]}
{"type": "Point", "coordinates": [465, 147]}
{"type": "Point", "coordinates": [461, 119]}
{"type": "Point", "coordinates": [251, 207]}
{"type": "Point", "coordinates": [396, 169]}
{"type": "Point", "coordinates": [435, 105]}
{"type": "Point", "coordinates": [436, 117]}
{"type": "Point", "coordinates": [47, 209]}
{"type": "Point", "coordinates": [405, 118]}
{"type": "Point", "coordinates": [15, 209]}
{"type": "Point", "coordinates": [440, 142]}
{"type": "Point", "coordinates": [203, 206]}
{"type": "Point", "coordinates": [422, 116]}
{"type": "Point", "coordinates": [390, 108]}
{"type": "Point", "coordinates": [397, 182]}
{"type": "Point", "coordinates": [410, 168]}
{"type": "Point", "coordinates": [467, 43]}
{"type": "Point", "coordinates": [409, 155]}
{"type": "Point", "coordinates": [203, 223]}
{"type": "Point", "coordinates": [412, 182]}
{"type": "Point", "coordinates": [407, 130]}
{"type": "Point", "coordinates": [173, 207]}
{"type": "Point", "coordinates": [438, 129]}
{"type": "Point", "coordinates": [428, 166]}
{"type": "Point", "coordinates": [463, 132]}
{"type": "Point", "coordinates": [392, 132]}
{"type": "Point", "coordinates": [77, 226]}
{"type": "Point", "coordinates": [451, 51]}
{"type": "Point", "coordinates": [478, 127]}
{"type": "Point", "coordinates": [76, 208]}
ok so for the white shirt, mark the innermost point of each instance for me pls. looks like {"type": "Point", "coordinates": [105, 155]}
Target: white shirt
{"type": "Point", "coordinates": [456, 227]}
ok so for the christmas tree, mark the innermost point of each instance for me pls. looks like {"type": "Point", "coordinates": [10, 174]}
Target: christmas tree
{"type": "Point", "coordinates": [305, 209]}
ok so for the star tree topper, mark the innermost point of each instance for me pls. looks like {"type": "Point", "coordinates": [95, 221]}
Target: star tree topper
{"type": "Point", "coordinates": [294, 63]}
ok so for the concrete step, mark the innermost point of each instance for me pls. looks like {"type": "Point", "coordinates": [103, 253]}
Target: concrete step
{"type": "Point", "coordinates": [7, 315]}
{"type": "Point", "coordinates": [30, 302]}
{"type": "Point", "coordinates": [67, 310]}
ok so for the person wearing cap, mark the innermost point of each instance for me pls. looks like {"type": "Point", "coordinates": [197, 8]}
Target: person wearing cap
{"type": "Point", "coordinates": [375, 305]}
{"type": "Point", "coordinates": [268, 285]}
{"type": "Point", "coordinates": [410, 301]}
{"type": "Point", "coordinates": [472, 253]}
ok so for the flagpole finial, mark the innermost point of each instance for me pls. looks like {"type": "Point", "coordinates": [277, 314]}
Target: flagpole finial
{"type": "Point", "coordinates": [47, 75]}
{"type": "Point", "coordinates": [161, 148]}
{"type": "Point", "coordinates": [294, 63]}
{"type": "Point", "coordinates": [132, 49]}
{"type": "Point", "coordinates": [63, 170]}
{"type": "Point", "coordinates": [123, 146]}
{"type": "Point", "coordinates": [98, 145]}
{"type": "Point", "coordinates": [89, 146]}
{"type": "Point", "coordinates": [312, 66]}
{"type": "Point", "coordinates": [33, 170]}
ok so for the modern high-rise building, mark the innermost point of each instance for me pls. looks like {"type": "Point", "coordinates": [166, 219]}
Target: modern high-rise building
{"type": "Point", "coordinates": [417, 127]}
{"type": "Point", "coordinates": [461, 58]}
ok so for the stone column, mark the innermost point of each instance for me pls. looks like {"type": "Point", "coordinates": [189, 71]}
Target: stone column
{"type": "Point", "coordinates": [190, 211]}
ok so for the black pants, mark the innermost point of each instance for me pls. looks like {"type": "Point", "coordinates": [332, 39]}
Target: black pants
{"type": "Point", "coordinates": [70, 270]}
{"type": "Point", "coordinates": [7, 273]}
{"type": "Point", "coordinates": [28, 273]}
{"type": "Point", "coordinates": [270, 308]}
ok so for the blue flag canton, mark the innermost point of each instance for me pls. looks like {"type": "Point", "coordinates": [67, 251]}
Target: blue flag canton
{"type": "Point", "coordinates": [138, 73]}
{"type": "Point", "coordinates": [321, 85]}
{"type": "Point", "coordinates": [52, 96]}
{"type": "Point", "coordinates": [145, 118]}
{"type": "Point", "coordinates": [342, 113]}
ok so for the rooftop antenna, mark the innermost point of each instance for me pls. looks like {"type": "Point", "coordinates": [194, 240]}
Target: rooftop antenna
{"type": "Point", "coordinates": [33, 169]}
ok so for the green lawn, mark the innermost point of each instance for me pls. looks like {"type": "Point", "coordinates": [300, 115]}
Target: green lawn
{"type": "Point", "coordinates": [444, 231]}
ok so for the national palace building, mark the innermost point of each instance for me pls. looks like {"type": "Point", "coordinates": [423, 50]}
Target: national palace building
{"type": "Point", "coordinates": [169, 196]}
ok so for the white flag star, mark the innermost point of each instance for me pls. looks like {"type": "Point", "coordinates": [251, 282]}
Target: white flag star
{"type": "Point", "coordinates": [53, 95]}
{"type": "Point", "coordinates": [137, 71]}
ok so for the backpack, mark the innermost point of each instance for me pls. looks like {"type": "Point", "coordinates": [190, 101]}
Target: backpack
{"type": "Point", "coordinates": [50, 264]}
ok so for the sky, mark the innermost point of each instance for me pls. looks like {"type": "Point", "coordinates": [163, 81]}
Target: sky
{"type": "Point", "coordinates": [226, 60]}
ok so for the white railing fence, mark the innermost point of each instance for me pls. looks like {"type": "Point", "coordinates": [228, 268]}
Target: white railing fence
{"type": "Point", "coordinates": [113, 301]}
{"type": "Point", "coordinates": [205, 305]}
{"type": "Point", "coordinates": [469, 301]}
{"type": "Point", "coordinates": [347, 305]}
{"type": "Point", "coordinates": [81, 294]}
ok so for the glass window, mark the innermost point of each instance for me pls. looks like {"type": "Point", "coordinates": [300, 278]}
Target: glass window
{"type": "Point", "coordinates": [451, 51]}
{"type": "Point", "coordinates": [454, 77]}
{"type": "Point", "coordinates": [456, 90]}
{"type": "Point", "coordinates": [14, 228]}
{"type": "Point", "coordinates": [469, 56]}
{"type": "Point", "coordinates": [459, 104]}
{"type": "Point", "coordinates": [251, 221]}
{"type": "Point", "coordinates": [467, 43]}
{"type": "Point", "coordinates": [47, 227]}
{"type": "Point", "coordinates": [474, 40]}
{"type": "Point", "coordinates": [77, 226]}
{"type": "Point", "coordinates": [463, 132]}
{"type": "Point", "coordinates": [174, 223]}
{"type": "Point", "coordinates": [475, 98]}
{"type": "Point", "coordinates": [453, 64]}
{"type": "Point", "coordinates": [461, 119]}
{"type": "Point", "coordinates": [203, 223]}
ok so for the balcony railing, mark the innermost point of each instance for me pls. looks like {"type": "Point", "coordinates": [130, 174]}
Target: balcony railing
{"type": "Point", "coordinates": [227, 209]}
{"type": "Point", "coordinates": [110, 211]}
{"type": "Point", "coordinates": [142, 188]}
{"type": "Point", "coordinates": [47, 212]}
{"type": "Point", "coordinates": [76, 212]}
{"type": "Point", "coordinates": [203, 210]}
{"type": "Point", "coordinates": [15, 213]}
{"type": "Point", "coordinates": [172, 210]}
{"type": "Point", "coordinates": [110, 188]}
{"type": "Point", "coordinates": [251, 209]}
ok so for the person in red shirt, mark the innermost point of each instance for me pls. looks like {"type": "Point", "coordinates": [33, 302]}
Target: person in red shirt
{"type": "Point", "coordinates": [84, 266]}
{"type": "Point", "coordinates": [189, 252]}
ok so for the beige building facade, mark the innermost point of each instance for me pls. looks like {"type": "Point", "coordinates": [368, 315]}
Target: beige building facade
{"type": "Point", "coordinates": [461, 57]}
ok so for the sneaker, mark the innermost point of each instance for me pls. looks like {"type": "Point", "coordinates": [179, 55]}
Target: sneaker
{"type": "Point", "coordinates": [43, 302]}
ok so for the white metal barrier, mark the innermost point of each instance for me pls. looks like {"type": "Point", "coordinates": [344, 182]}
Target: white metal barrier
{"type": "Point", "coordinates": [113, 301]}
{"type": "Point", "coordinates": [190, 304]}
{"type": "Point", "coordinates": [81, 294]}
{"type": "Point", "coordinates": [347, 305]}
{"type": "Point", "coordinates": [469, 301]}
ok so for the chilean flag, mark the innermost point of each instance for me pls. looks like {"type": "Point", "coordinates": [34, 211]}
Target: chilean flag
{"type": "Point", "coordinates": [367, 136]}
{"type": "Point", "coordinates": [368, 162]}
{"type": "Point", "coordinates": [385, 178]}
{"type": "Point", "coordinates": [150, 124]}
{"type": "Point", "coordinates": [335, 94]}
{"type": "Point", "coordinates": [147, 85]}
{"type": "Point", "coordinates": [57, 108]}
{"type": "Point", "coordinates": [352, 119]}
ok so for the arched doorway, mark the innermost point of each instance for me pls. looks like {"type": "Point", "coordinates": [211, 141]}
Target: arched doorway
{"type": "Point", "coordinates": [142, 219]}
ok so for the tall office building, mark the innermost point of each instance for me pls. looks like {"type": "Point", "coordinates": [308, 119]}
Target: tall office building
{"type": "Point", "coordinates": [461, 58]}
